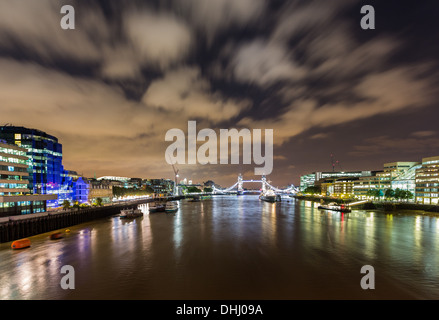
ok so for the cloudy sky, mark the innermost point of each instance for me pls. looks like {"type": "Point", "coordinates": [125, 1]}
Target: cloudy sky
{"type": "Point", "coordinates": [132, 70]}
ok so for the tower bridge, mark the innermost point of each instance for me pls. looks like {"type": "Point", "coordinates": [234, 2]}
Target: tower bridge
{"type": "Point", "coordinates": [265, 185]}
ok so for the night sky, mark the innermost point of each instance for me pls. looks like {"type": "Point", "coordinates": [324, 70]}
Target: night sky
{"type": "Point", "coordinates": [132, 70]}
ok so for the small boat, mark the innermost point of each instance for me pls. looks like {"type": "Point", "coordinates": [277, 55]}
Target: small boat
{"type": "Point", "coordinates": [171, 206]}
{"type": "Point", "coordinates": [56, 236]}
{"type": "Point", "coordinates": [20, 244]}
{"type": "Point", "coordinates": [334, 207]}
{"type": "Point", "coordinates": [156, 207]}
{"type": "Point", "coordinates": [269, 196]}
{"type": "Point", "coordinates": [130, 213]}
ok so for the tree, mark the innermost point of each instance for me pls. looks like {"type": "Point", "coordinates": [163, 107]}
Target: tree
{"type": "Point", "coordinates": [375, 193]}
{"type": "Point", "coordinates": [192, 189]}
{"type": "Point", "coordinates": [123, 192]}
{"type": "Point", "coordinates": [76, 205]}
{"type": "Point", "coordinates": [99, 202]}
{"type": "Point", "coordinates": [206, 189]}
{"type": "Point", "coordinates": [389, 193]}
{"type": "Point", "coordinates": [313, 190]}
{"type": "Point", "coordinates": [406, 195]}
{"type": "Point", "coordinates": [399, 194]}
{"type": "Point", "coordinates": [66, 204]}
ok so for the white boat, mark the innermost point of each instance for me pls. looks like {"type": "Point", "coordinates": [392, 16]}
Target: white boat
{"type": "Point", "coordinates": [171, 206]}
{"type": "Point", "coordinates": [269, 196]}
{"type": "Point", "coordinates": [156, 207]}
{"type": "Point", "coordinates": [335, 207]}
{"type": "Point", "coordinates": [130, 213]}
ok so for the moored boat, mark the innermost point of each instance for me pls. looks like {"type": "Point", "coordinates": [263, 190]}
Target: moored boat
{"type": "Point", "coordinates": [171, 206]}
{"type": "Point", "coordinates": [156, 207]}
{"type": "Point", "coordinates": [334, 207]}
{"type": "Point", "coordinates": [130, 213]}
{"type": "Point", "coordinates": [269, 196]}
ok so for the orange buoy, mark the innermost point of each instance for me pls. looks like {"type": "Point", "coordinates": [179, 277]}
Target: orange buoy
{"type": "Point", "coordinates": [20, 244]}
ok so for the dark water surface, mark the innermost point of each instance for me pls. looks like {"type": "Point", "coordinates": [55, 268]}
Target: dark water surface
{"type": "Point", "coordinates": [232, 247]}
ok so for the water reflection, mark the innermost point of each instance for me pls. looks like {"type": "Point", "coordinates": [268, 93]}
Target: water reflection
{"type": "Point", "coordinates": [232, 247]}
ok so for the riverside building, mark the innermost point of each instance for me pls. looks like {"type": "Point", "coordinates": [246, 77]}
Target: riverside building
{"type": "Point", "coordinates": [46, 173]}
{"type": "Point", "coordinates": [427, 181]}
{"type": "Point", "coordinates": [420, 178]}
{"type": "Point", "coordinates": [15, 196]}
{"type": "Point", "coordinates": [312, 179]}
{"type": "Point", "coordinates": [89, 190]}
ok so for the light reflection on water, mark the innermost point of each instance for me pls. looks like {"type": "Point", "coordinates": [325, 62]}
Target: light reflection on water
{"type": "Point", "coordinates": [232, 247]}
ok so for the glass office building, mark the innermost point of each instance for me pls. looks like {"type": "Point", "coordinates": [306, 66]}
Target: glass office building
{"type": "Point", "coordinates": [427, 181]}
{"type": "Point", "coordinates": [15, 197]}
{"type": "Point", "coordinates": [45, 169]}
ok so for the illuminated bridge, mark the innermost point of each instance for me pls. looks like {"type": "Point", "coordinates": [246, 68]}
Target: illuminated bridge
{"type": "Point", "coordinates": [238, 187]}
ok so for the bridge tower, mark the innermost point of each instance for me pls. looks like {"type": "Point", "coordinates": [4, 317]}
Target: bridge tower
{"type": "Point", "coordinates": [264, 183]}
{"type": "Point", "coordinates": [240, 188]}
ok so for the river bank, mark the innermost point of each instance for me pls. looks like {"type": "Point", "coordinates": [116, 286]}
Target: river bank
{"type": "Point", "coordinates": [22, 226]}
{"type": "Point", "coordinates": [406, 207]}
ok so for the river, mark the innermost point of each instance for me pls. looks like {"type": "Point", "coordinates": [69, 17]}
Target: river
{"type": "Point", "coordinates": [232, 247]}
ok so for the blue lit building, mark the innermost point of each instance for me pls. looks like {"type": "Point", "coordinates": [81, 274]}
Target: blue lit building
{"type": "Point", "coordinates": [81, 189]}
{"type": "Point", "coordinates": [45, 169]}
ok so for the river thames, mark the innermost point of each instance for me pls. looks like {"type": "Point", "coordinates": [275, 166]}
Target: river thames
{"type": "Point", "coordinates": [232, 247]}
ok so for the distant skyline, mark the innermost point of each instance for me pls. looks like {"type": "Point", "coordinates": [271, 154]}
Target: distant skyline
{"type": "Point", "coordinates": [110, 89]}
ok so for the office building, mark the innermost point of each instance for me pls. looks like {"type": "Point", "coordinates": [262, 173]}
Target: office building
{"type": "Point", "coordinates": [427, 181]}
{"type": "Point", "coordinates": [310, 180]}
{"type": "Point", "coordinates": [45, 170]}
{"type": "Point", "coordinates": [15, 196]}
{"type": "Point", "coordinates": [307, 180]}
{"type": "Point", "coordinates": [89, 190]}
{"type": "Point", "coordinates": [162, 187]}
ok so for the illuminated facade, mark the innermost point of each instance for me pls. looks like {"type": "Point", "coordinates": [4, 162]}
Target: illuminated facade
{"type": "Point", "coordinates": [396, 175]}
{"type": "Point", "coordinates": [406, 180]}
{"type": "Point", "coordinates": [100, 189]}
{"type": "Point", "coordinates": [45, 169]}
{"type": "Point", "coordinates": [340, 187]}
{"type": "Point", "coordinates": [162, 187]}
{"type": "Point", "coordinates": [87, 191]}
{"type": "Point", "coordinates": [310, 180]}
{"type": "Point", "coordinates": [80, 190]}
{"type": "Point", "coordinates": [427, 181]}
{"type": "Point", "coordinates": [364, 184]}
{"type": "Point", "coordinates": [307, 180]}
{"type": "Point", "coordinates": [15, 197]}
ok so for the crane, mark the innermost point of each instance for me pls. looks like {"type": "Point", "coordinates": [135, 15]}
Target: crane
{"type": "Point", "coordinates": [334, 163]}
{"type": "Point", "coordinates": [175, 174]}
{"type": "Point", "coordinates": [176, 178]}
